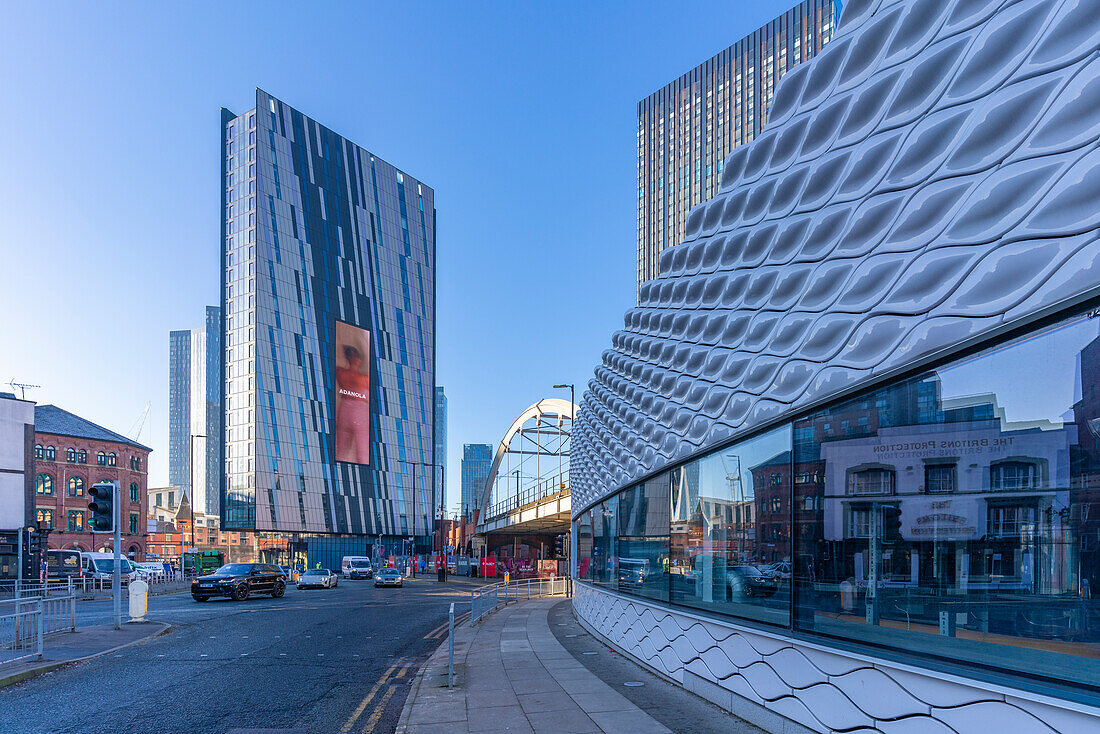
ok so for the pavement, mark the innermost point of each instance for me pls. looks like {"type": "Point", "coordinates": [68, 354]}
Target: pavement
{"type": "Point", "coordinates": [513, 674]}
{"type": "Point", "coordinates": [317, 661]}
{"type": "Point", "coordinates": [83, 644]}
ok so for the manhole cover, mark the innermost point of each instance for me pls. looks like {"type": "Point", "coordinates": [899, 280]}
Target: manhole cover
{"type": "Point", "coordinates": [633, 683]}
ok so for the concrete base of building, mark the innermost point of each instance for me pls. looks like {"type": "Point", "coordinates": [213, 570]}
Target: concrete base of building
{"type": "Point", "coordinates": [789, 685]}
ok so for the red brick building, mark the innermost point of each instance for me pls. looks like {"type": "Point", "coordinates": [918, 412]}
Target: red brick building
{"type": "Point", "coordinates": [70, 455]}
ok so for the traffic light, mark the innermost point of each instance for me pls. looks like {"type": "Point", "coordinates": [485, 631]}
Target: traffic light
{"type": "Point", "coordinates": [891, 523]}
{"type": "Point", "coordinates": [559, 546]}
{"type": "Point", "coordinates": [102, 494]}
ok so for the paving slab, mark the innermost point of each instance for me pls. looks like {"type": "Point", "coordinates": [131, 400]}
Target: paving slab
{"type": "Point", "coordinates": [512, 674]}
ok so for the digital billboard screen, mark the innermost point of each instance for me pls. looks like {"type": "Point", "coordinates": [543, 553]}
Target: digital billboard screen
{"type": "Point", "coordinates": [352, 442]}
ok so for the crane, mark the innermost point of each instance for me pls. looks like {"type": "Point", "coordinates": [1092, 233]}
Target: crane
{"type": "Point", "coordinates": [139, 424]}
{"type": "Point", "coordinates": [21, 387]}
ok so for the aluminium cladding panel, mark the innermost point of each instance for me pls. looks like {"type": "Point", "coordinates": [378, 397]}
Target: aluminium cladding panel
{"type": "Point", "coordinates": [340, 236]}
{"type": "Point", "coordinates": [923, 182]}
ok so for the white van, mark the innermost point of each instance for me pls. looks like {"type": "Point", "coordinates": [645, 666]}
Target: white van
{"type": "Point", "coordinates": [356, 567]}
{"type": "Point", "coordinates": [101, 566]}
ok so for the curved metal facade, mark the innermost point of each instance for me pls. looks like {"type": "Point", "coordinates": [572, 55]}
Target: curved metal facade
{"type": "Point", "coordinates": [927, 180]}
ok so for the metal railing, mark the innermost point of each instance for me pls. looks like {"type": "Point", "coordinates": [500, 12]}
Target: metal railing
{"type": "Point", "coordinates": [25, 621]}
{"type": "Point", "coordinates": [88, 586]}
{"type": "Point", "coordinates": [548, 487]}
{"type": "Point", "coordinates": [21, 634]}
{"type": "Point", "coordinates": [488, 599]}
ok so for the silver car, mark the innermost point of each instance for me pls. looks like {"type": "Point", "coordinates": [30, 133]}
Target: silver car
{"type": "Point", "coordinates": [318, 578]}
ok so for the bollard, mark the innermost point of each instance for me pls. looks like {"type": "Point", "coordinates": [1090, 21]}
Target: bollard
{"type": "Point", "coordinates": [139, 600]}
{"type": "Point", "coordinates": [451, 652]}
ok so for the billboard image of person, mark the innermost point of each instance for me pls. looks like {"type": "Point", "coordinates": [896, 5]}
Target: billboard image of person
{"type": "Point", "coordinates": [352, 394]}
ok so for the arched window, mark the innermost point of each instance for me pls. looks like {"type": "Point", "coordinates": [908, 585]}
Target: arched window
{"type": "Point", "coordinates": [43, 484]}
{"type": "Point", "coordinates": [70, 455]}
{"type": "Point", "coordinates": [82, 457]}
{"type": "Point", "coordinates": [76, 486]}
{"type": "Point", "coordinates": [135, 495]}
{"type": "Point", "coordinates": [38, 454]}
{"type": "Point", "coordinates": [111, 459]}
{"type": "Point", "coordinates": [51, 453]}
{"type": "Point", "coordinates": [100, 458]}
{"type": "Point", "coordinates": [45, 517]}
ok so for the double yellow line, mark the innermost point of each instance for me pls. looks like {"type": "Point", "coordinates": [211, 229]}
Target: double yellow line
{"type": "Point", "coordinates": [372, 721]}
{"type": "Point", "coordinates": [441, 630]}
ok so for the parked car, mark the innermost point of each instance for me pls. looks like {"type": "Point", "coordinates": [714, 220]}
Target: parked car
{"type": "Point", "coordinates": [101, 567]}
{"type": "Point", "coordinates": [747, 581]}
{"type": "Point", "coordinates": [317, 578]}
{"type": "Point", "coordinates": [152, 571]}
{"type": "Point", "coordinates": [356, 567]}
{"type": "Point", "coordinates": [238, 580]}
{"type": "Point", "coordinates": [388, 577]}
{"type": "Point", "coordinates": [778, 570]}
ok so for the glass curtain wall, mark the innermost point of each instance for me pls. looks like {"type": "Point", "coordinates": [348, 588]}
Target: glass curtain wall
{"type": "Point", "coordinates": [955, 514]}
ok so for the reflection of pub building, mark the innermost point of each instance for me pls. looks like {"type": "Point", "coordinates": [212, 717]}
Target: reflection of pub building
{"type": "Point", "coordinates": [962, 506]}
{"type": "Point", "coordinates": [721, 522]}
{"type": "Point", "coordinates": [771, 482]}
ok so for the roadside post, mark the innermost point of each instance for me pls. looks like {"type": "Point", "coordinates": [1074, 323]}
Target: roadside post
{"type": "Point", "coordinates": [139, 600]}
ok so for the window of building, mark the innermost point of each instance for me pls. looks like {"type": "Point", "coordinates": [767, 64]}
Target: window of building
{"type": "Point", "coordinates": [171, 499]}
{"type": "Point", "coordinates": [81, 457]}
{"type": "Point", "coordinates": [100, 458]}
{"type": "Point", "coordinates": [871, 481]}
{"type": "Point", "coordinates": [44, 517]}
{"type": "Point", "coordinates": [159, 499]}
{"type": "Point", "coordinates": [111, 459]}
{"type": "Point", "coordinates": [1011, 521]}
{"type": "Point", "coordinates": [939, 478]}
{"type": "Point", "coordinates": [133, 524]}
{"type": "Point", "coordinates": [43, 484]}
{"type": "Point", "coordinates": [51, 453]}
{"type": "Point", "coordinates": [1013, 476]}
{"type": "Point", "coordinates": [135, 495]}
{"type": "Point", "coordinates": [76, 521]}
{"type": "Point", "coordinates": [70, 455]}
{"type": "Point", "coordinates": [39, 452]}
{"type": "Point", "coordinates": [76, 486]}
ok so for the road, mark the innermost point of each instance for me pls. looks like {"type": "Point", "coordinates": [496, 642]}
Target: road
{"type": "Point", "coordinates": [333, 660]}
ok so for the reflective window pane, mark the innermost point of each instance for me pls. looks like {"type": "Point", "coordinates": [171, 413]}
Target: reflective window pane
{"type": "Point", "coordinates": [958, 513]}
{"type": "Point", "coordinates": [642, 565]}
{"type": "Point", "coordinates": [730, 535]}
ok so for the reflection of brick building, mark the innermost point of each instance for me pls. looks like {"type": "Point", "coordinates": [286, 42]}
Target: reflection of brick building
{"type": "Point", "coordinates": [71, 454]}
{"type": "Point", "coordinates": [771, 483]}
{"type": "Point", "coordinates": [1085, 489]}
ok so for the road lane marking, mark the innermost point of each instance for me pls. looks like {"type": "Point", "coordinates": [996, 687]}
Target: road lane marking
{"type": "Point", "coordinates": [366, 700]}
{"type": "Point", "coordinates": [379, 710]}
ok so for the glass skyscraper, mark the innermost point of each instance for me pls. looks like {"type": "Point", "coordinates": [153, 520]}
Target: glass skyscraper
{"type": "Point", "coordinates": [328, 279]}
{"type": "Point", "coordinates": [477, 458]}
{"type": "Point", "coordinates": [687, 128]}
{"type": "Point", "coordinates": [194, 409]}
{"type": "Point", "coordinates": [440, 441]}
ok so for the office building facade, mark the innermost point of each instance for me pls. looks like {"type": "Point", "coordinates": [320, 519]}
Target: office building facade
{"type": "Point", "coordinates": [839, 467]}
{"type": "Point", "coordinates": [477, 460]}
{"type": "Point", "coordinates": [195, 410]}
{"type": "Point", "coordinates": [329, 295]}
{"type": "Point", "coordinates": [688, 127]}
{"type": "Point", "coordinates": [440, 443]}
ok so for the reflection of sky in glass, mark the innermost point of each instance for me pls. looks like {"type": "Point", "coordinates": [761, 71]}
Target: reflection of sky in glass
{"type": "Point", "coordinates": [714, 468]}
{"type": "Point", "coordinates": [1048, 383]}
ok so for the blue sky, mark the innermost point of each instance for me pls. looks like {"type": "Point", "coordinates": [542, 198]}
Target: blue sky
{"type": "Point", "coordinates": [520, 115]}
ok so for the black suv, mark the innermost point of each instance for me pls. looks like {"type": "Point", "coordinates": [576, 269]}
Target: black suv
{"type": "Point", "coordinates": [238, 580]}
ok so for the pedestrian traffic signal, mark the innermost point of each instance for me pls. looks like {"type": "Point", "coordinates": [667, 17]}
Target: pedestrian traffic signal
{"type": "Point", "coordinates": [103, 496]}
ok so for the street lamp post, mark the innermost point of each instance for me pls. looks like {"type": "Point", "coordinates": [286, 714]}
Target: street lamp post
{"type": "Point", "coordinates": [191, 486]}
